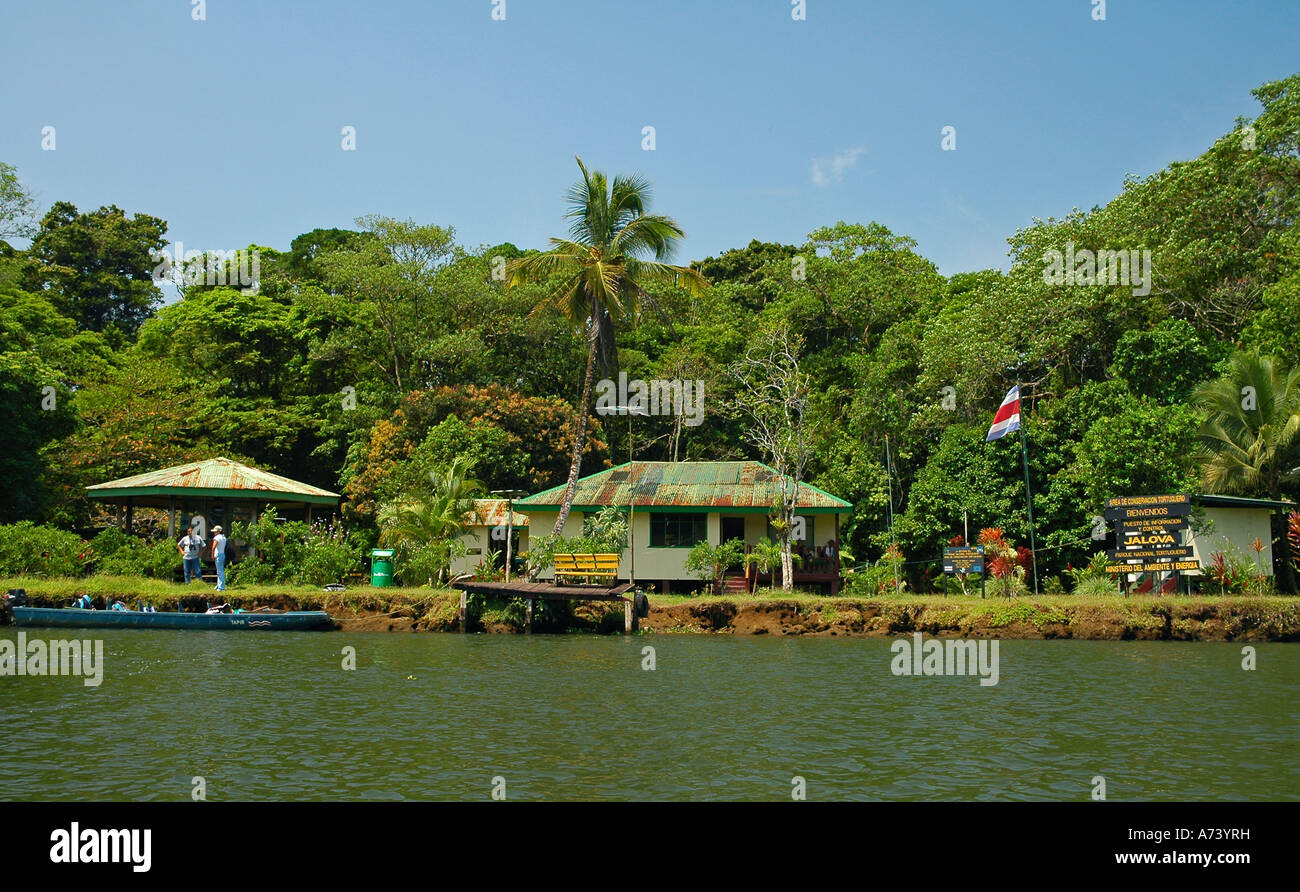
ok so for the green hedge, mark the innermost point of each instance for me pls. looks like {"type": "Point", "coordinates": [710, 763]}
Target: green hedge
{"type": "Point", "coordinates": [30, 550]}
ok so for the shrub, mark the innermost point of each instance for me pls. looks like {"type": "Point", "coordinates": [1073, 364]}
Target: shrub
{"type": "Point", "coordinates": [1005, 563]}
{"type": "Point", "coordinates": [119, 554]}
{"type": "Point", "coordinates": [491, 567]}
{"type": "Point", "coordinates": [1227, 571]}
{"type": "Point", "coordinates": [878, 579]}
{"type": "Point", "coordinates": [1095, 587]}
{"type": "Point", "coordinates": [606, 530]}
{"type": "Point", "coordinates": [293, 551]}
{"type": "Point", "coordinates": [30, 550]}
{"type": "Point", "coordinates": [323, 561]}
{"type": "Point", "coordinates": [1234, 572]}
{"type": "Point", "coordinates": [420, 564]}
{"type": "Point", "coordinates": [1096, 570]}
{"type": "Point", "coordinates": [540, 554]}
{"type": "Point", "coordinates": [109, 542]}
{"type": "Point", "coordinates": [711, 562]}
{"type": "Point", "coordinates": [250, 571]}
{"type": "Point", "coordinates": [156, 560]}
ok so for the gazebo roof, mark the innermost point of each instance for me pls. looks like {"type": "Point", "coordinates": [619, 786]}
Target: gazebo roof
{"type": "Point", "coordinates": [219, 478]}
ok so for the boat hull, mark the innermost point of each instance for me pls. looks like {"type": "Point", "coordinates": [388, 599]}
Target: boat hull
{"type": "Point", "coordinates": [75, 618]}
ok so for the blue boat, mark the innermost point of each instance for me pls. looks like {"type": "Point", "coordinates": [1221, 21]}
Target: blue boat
{"type": "Point", "coordinates": [78, 618]}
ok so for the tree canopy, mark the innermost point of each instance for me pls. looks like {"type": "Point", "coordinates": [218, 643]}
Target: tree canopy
{"type": "Point", "coordinates": [369, 357]}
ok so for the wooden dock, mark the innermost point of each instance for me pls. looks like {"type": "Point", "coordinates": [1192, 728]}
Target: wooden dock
{"type": "Point", "coordinates": [531, 591]}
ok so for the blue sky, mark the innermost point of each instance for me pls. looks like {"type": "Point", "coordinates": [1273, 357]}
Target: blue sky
{"type": "Point", "coordinates": [230, 128]}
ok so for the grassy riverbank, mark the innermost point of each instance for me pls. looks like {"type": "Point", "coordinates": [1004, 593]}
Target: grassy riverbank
{"type": "Point", "coordinates": [1139, 617]}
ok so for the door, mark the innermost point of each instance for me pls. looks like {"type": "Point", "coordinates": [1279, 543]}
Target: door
{"type": "Point", "coordinates": [733, 528]}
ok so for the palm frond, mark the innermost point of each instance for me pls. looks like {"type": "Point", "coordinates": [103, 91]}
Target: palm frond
{"type": "Point", "coordinates": [667, 274]}
{"type": "Point", "coordinates": [650, 234]}
{"type": "Point", "coordinates": [540, 267]}
{"type": "Point", "coordinates": [1250, 438]}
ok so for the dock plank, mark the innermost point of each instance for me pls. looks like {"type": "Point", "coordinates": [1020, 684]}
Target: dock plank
{"type": "Point", "coordinates": [545, 590]}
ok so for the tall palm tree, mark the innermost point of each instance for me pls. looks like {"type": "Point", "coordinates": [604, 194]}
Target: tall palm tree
{"type": "Point", "coordinates": [614, 251]}
{"type": "Point", "coordinates": [433, 518]}
{"type": "Point", "coordinates": [1251, 434]}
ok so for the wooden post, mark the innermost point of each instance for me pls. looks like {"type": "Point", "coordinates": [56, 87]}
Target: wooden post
{"type": "Point", "coordinates": [528, 618]}
{"type": "Point", "coordinates": [627, 616]}
{"type": "Point", "coordinates": [130, 513]}
{"type": "Point", "coordinates": [464, 612]}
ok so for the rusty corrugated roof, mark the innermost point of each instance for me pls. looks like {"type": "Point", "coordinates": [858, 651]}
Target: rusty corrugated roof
{"type": "Point", "coordinates": [211, 474]}
{"type": "Point", "coordinates": [736, 485]}
{"type": "Point", "coordinates": [495, 512]}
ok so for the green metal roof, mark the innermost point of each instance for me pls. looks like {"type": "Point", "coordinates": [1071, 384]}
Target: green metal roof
{"type": "Point", "coordinates": [214, 478]}
{"type": "Point", "coordinates": [731, 486]}
{"type": "Point", "coordinates": [1222, 501]}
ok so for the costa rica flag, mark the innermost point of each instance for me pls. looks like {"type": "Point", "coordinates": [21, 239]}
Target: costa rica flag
{"type": "Point", "coordinates": [1007, 418]}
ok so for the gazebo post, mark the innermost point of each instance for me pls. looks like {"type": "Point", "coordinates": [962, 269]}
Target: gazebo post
{"type": "Point", "coordinates": [130, 513]}
{"type": "Point", "coordinates": [171, 517]}
{"type": "Point", "coordinates": [308, 513]}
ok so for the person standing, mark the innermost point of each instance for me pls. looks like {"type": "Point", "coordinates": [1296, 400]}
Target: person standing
{"type": "Point", "coordinates": [219, 556]}
{"type": "Point", "coordinates": [191, 546]}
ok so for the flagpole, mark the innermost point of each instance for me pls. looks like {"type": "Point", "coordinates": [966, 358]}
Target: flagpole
{"type": "Point", "coordinates": [1029, 496]}
{"type": "Point", "coordinates": [893, 543]}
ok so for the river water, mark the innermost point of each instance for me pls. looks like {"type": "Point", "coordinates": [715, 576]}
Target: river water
{"type": "Point", "coordinates": [446, 716]}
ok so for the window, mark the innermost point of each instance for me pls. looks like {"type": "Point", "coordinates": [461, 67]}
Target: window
{"type": "Point", "coordinates": [678, 530]}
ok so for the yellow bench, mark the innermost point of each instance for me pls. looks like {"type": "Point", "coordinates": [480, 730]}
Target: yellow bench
{"type": "Point", "coordinates": [600, 566]}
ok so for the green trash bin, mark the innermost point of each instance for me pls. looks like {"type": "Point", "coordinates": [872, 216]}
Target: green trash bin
{"type": "Point", "coordinates": [381, 567]}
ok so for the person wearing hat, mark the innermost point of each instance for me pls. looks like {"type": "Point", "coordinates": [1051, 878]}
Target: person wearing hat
{"type": "Point", "coordinates": [219, 556]}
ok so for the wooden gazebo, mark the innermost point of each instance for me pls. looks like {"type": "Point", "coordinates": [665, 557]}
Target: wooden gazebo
{"type": "Point", "coordinates": [218, 489]}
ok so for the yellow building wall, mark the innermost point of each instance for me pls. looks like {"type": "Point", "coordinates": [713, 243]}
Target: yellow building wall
{"type": "Point", "coordinates": [478, 540]}
{"type": "Point", "coordinates": [669, 563]}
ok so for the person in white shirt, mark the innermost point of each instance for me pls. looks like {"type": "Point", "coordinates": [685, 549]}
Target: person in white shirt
{"type": "Point", "coordinates": [219, 556]}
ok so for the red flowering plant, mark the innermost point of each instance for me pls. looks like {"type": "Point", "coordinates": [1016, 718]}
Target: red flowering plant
{"type": "Point", "coordinates": [1003, 562]}
{"type": "Point", "coordinates": [1293, 535]}
{"type": "Point", "coordinates": [1226, 571]}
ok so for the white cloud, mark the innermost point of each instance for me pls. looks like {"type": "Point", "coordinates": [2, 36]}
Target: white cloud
{"type": "Point", "coordinates": [831, 170]}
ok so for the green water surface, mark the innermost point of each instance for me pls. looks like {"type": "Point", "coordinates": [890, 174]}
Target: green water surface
{"type": "Point", "coordinates": [274, 716]}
